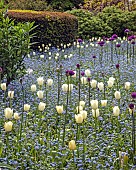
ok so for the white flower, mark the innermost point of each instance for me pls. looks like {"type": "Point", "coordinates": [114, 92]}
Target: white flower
{"type": "Point", "coordinates": [84, 80]}
{"type": "Point", "coordinates": [40, 94]}
{"type": "Point", "coordinates": [117, 95]}
{"type": "Point", "coordinates": [88, 73]}
{"type": "Point", "coordinates": [65, 87]}
{"type": "Point", "coordinates": [94, 104]}
{"type": "Point", "coordinates": [26, 107]}
{"type": "Point", "coordinates": [116, 111]}
{"type": "Point", "coordinates": [104, 103]}
{"type": "Point", "coordinates": [42, 56]}
{"type": "Point", "coordinates": [72, 145]}
{"type": "Point", "coordinates": [16, 116]}
{"type": "Point", "coordinates": [59, 109]}
{"type": "Point", "coordinates": [11, 94]}
{"type": "Point", "coordinates": [127, 85]}
{"type": "Point", "coordinates": [8, 113]}
{"type": "Point", "coordinates": [33, 87]}
{"type": "Point", "coordinates": [101, 86]}
{"type": "Point", "coordinates": [8, 126]}
{"type": "Point", "coordinates": [95, 113]}
{"type": "Point", "coordinates": [82, 103]}
{"type": "Point", "coordinates": [110, 83]}
{"type": "Point", "coordinates": [84, 114]}
{"type": "Point", "coordinates": [3, 86]}
{"type": "Point", "coordinates": [70, 87]}
{"type": "Point", "coordinates": [112, 79]}
{"type": "Point", "coordinates": [79, 118]}
{"type": "Point", "coordinates": [40, 81]}
{"type": "Point", "coordinates": [49, 82]}
{"type": "Point", "coordinates": [79, 108]}
{"type": "Point", "coordinates": [93, 83]}
{"type": "Point", "coordinates": [41, 106]}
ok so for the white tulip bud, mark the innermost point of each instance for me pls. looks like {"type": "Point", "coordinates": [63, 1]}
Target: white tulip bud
{"type": "Point", "coordinates": [110, 83]}
{"type": "Point", "coordinates": [40, 81]}
{"type": "Point", "coordinates": [40, 94]}
{"type": "Point", "coordinates": [94, 104]}
{"type": "Point", "coordinates": [79, 118]}
{"type": "Point", "coordinates": [104, 103]}
{"type": "Point", "coordinates": [112, 79]}
{"type": "Point", "coordinates": [79, 108]}
{"type": "Point", "coordinates": [49, 82]}
{"type": "Point", "coordinates": [72, 145]}
{"type": "Point", "coordinates": [3, 86]}
{"type": "Point", "coordinates": [70, 87]}
{"type": "Point", "coordinates": [84, 80]}
{"type": "Point", "coordinates": [117, 95]}
{"type": "Point", "coordinates": [8, 126]}
{"type": "Point", "coordinates": [59, 109]}
{"type": "Point", "coordinates": [41, 106]}
{"type": "Point", "coordinates": [11, 94]}
{"type": "Point", "coordinates": [41, 56]}
{"type": "Point", "coordinates": [101, 86]}
{"type": "Point", "coordinates": [95, 113]}
{"type": "Point", "coordinates": [8, 113]}
{"type": "Point", "coordinates": [33, 87]}
{"type": "Point", "coordinates": [116, 111]}
{"type": "Point", "coordinates": [127, 85]}
{"type": "Point", "coordinates": [82, 103]}
{"type": "Point", "coordinates": [26, 107]}
{"type": "Point", "coordinates": [16, 116]}
{"type": "Point", "coordinates": [93, 83]}
{"type": "Point", "coordinates": [65, 87]}
{"type": "Point", "coordinates": [88, 73]}
{"type": "Point", "coordinates": [84, 114]}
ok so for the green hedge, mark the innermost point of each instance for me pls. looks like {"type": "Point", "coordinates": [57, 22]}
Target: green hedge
{"type": "Point", "coordinates": [53, 27]}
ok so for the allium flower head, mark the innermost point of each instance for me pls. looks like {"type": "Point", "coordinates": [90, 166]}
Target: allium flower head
{"type": "Point", "coordinates": [78, 65]}
{"type": "Point", "coordinates": [118, 45]}
{"type": "Point", "coordinates": [133, 95]}
{"type": "Point", "coordinates": [80, 40]}
{"type": "Point", "coordinates": [117, 66]}
{"type": "Point", "coordinates": [94, 56]}
{"type": "Point", "coordinates": [82, 73]}
{"type": "Point", "coordinates": [131, 106]}
{"type": "Point", "coordinates": [127, 30]}
{"type": "Point", "coordinates": [111, 39]}
{"type": "Point", "coordinates": [114, 36]}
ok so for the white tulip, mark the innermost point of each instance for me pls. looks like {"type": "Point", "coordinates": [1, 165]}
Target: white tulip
{"type": "Point", "coordinates": [88, 73]}
{"type": "Point", "coordinates": [79, 118]}
{"type": "Point", "coordinates": [84, 80]}
{"type": "Point", "coordinates": [26, 107]}
{"type": "Point", "coordinates": [116, 111]}
{"type": "Point", "coordinates": [104, 103]}
{"type": "Point", "coordinates": [93, 83]}
{"type": "Point", "coordinates": [65, 87]}
{"type": "Point", "coordinates": [8, 126]}
{"type": "Point", "coordinates": [3, 86]}
{"type": "Point", "coordinates": [16, 116]}
{"type": "Point", "coordinates": [70, 87]}
{"type": "Point", "coordinates": [59, 109]}
{"type": "Point", "coordinates": [33, 87]}
{"type": "Point", "coordinates": [112, 79]}
{"type": "Point", "coordinates": [82, 103]}
{"type": "Point", "coordinates": [11, 94]}
{"type": "Point", "coordinates": [95, 113]}
{"type": "Point", "coordinates": [40, 81]}
{"type": "Point", "coordinates": [117, 95]}
{"type": "Point", "coordinates": [41, 106]}
{"type": "Point", "coordinates": [84, 114]}
{"type": "Point", "coordinates": [101, 86]}
{"type": "Point", "coordinates": [74, 76]}
{"type": "Point", "coordinates": [8, 113]}
{"type": "Point", "coordinates": [94, 104]}
{"type": "Point", "coordinates": [49, 82]}
{"type": "Point", "coordinates": [40, 94]}
{"type": "Point", "coordinates": [127, 85]}
{"type": "Point", "coordinates": [110, 83]}
{"type": "Point", "coordinates": [41, 56]}
{"type": "Point", "coordinates": [79, 108]}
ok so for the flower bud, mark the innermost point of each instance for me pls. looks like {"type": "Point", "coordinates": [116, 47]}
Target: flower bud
{"type": "Point", "coordinates": [95, 113]}
{"type": "Point", "coordinates": [33, 87]}
{"type": "Point", "coordinates": [83, 80]}
{"type": "Point", "coordinates": [59, 109]}
{"type": "Point", "coordinates": [49, 82]}
{"type": "Point", "coordinates": [72, 145]}
{"type": "Point", "coordinates": [40, 94]}
{"type": "Point", "coordinates": [88, 73]}
{"type": "Point", "coordinates": [112, 79]}
{"type": "Point", "coordinates": [3, 86]}
{"type": "Point", "coordinates": [104, 103]}
{"type": "Point", "coordinates": [94, 104]}
{"type": "Point", "coordinates": [8, 113]}
{"type": "Point", "coordinates": [16, 116]}
{"type": "Point", "coordinates": [117, 95]}
{"type": "Point", "coordinates": [41, 106]}
{"type": "Point", "coordinates": [127, 85]}
{"type": "Point", "coordinates": [93, 83]}
{"type": "Point", "coordinates": [65, 87]}
{"type": "Point", "coordinates": [101, 86]}
{"type": "Point", "coordinates": [79, 118]}
{"type": "Point", "coordinates": [116, 111]}
{"type": "Point", "coordinates": [110, 83]}
{"type": "Point", "coordinates": [79, 108]}
{"type": "Point", "coordinates": [11, 94]}
{"type": "Point", "coordinates": [8, 126]}
{"type": "Point", "coordinates": [26, 107]}
{"type": "Point", "coordinates": [40, 81]}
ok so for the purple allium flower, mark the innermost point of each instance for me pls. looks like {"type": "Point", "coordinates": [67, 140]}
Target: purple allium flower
{"type": "Point", "coordinates": [78, 65]}
{"type": "Point", "coordinates": [111, 39]}
{"type": "Point", "coordinates": [71, 72]}
{"type": "Point", "coordinates": [88, 79]}
{"type": "Point", "coordinates": [118, 45]}
{"type": "Point", "coordinates": [127, 30]}
{"type": "Point", "coordinates": [133, 42]}
{"type": "Point", "coordinates": [129, 38]}
{"type": "Point", "coordinates": [67, 73]}
{"type": "Point", "coordinates": [133, 95]}
{"type": "Point", "coordinates": [94, 56]}
{"type": "Point", "coordinates": [79, 40]}
{"type": "Point", "coordinates": [117, 66]}
{"type": "Point", "coordinates": [131, 106]}
{"type": "Point", "coordinates": [82, 73]}
{"type": "Point", "coordinates": [133, 37]}
{"type": "Point", "coordinates": [101, 43]}
{"type": "Point", "coordinates": [114, 36]}
{"type": "Point", "coordinates": [1, 70]}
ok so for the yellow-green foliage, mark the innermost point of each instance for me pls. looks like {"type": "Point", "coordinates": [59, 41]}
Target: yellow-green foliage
{"type": "Point", "coordinates": [53, 27]}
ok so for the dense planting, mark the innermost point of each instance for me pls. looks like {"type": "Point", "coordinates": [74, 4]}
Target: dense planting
{"type": "Point", "coordinates": [74, 109]}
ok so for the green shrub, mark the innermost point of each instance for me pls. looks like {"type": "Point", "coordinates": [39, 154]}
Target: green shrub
{"type": "Point", "coordinates": [14, 46]}
{"type": "Point", "coordinates": [53, 27]}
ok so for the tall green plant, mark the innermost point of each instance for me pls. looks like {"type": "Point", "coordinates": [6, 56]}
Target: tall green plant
{"type": "Point", "coordinates": [14, 45]}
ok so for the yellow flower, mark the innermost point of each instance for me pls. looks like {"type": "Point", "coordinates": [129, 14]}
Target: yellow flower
{"type": "Point", "coordinates": [72, 145]}
{"type": "Point", "coordinates": [94, 104]}
{"type": "Point", "coordinates": [79, 118]}
{"type": "Point", "coordinates": [26, 107]}
{"type": "Point", "coordinates": [8, 113]}
{"type": "Point", "coordinates": [41, 106]}
{"type": "Point", "coordinates": [3, 86]}
{"type": "Point", "coordinates": [16, 116]}
{"type": "Point", "coordinates": [59, 109]}
{"type": "Point", "coordinates": [8, 126]}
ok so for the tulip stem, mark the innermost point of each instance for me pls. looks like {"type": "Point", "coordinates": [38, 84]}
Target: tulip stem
{"type": "Point", "coordinates": [77, 139]}
{"type": "Point", "coordinates": [83, 143]}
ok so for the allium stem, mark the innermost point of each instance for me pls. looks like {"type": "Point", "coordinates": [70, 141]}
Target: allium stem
{"type": "Point", "coordinates": [77, 139]}
{"type": "Point", "coordinates": [133, 134]}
